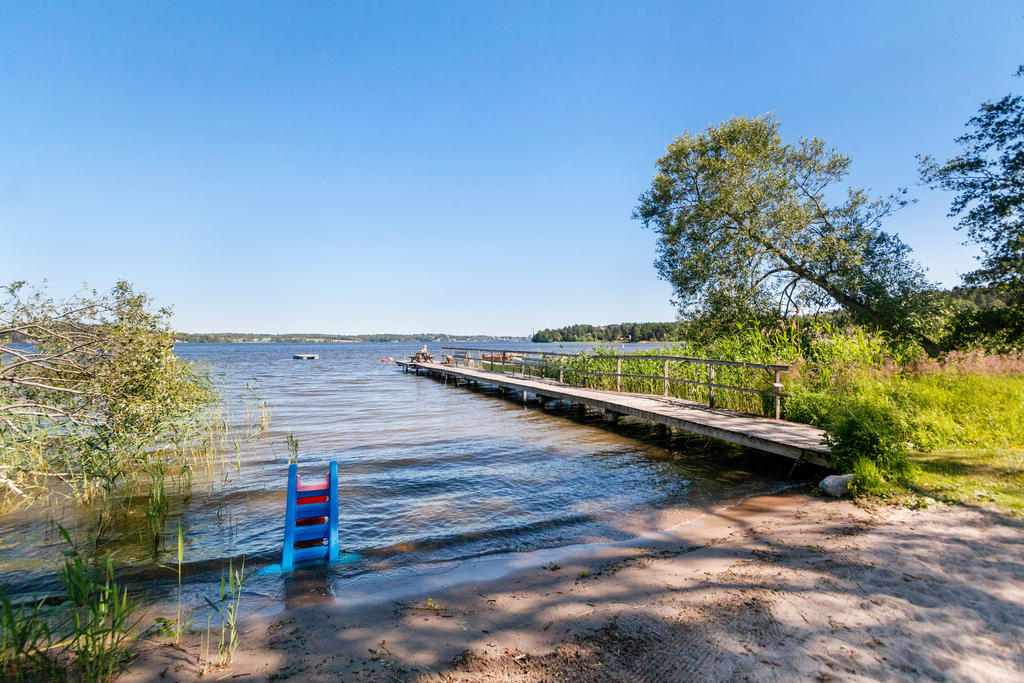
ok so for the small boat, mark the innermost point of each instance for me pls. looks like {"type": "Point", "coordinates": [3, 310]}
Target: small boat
{"type": "Point", "coordinates": [305, 356]}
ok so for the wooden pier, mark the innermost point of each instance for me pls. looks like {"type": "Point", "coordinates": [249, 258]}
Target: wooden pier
{"type": "Point", "coordinates": [801, 442]}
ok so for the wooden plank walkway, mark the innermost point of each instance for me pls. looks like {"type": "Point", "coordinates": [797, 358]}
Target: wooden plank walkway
{"type": "Point", "coordinates": [798, 441]}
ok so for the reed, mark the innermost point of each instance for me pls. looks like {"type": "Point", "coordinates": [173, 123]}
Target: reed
{"type": "Point", "coordinates": [89, 632]}
{"type": "Point", "coordinates": [293, 448]}
{"type": "Point", "coordinates": [25, 640]}
{"type": "Point", "coordinates": [227, 608]}
{"type": "Point", "coordinates": [179, 625]}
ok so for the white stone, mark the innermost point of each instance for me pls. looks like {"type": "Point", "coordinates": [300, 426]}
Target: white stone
{"type": "Point", "coordinates": [836, 485]}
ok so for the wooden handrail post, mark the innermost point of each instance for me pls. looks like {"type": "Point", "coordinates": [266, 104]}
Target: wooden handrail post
{"type": "Point", "coordinates": [778, 394]}
{"type": "Point", "coordinates": [665, 375]}
{"type": "Point", "coordinates": [711, 385]}
{"type": "Point", "coordinates": [618, 374]}
{"type": "Point", "coordinates": [561, 372]}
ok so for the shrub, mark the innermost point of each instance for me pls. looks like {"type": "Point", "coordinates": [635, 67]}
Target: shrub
{"type": "Point", "coordinates": [869, 425]}
{"type": "Point", "coordinates": [867, 479]}
{"type": "Point", "coordinates": [91, 392]}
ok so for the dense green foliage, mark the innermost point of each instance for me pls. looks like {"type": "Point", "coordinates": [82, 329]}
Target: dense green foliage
{"type": "Point", "coordinates": [623, 332]}
{"type": "Point", "coordinates": [98, 398]}
{"type": "Point", "coordinates": [747, 232]}
{"type": "Point", "coordinates": [988, 177]}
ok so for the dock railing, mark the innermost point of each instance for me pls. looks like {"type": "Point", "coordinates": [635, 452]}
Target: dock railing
{"type": "Point", "coordinates": [750, 387]}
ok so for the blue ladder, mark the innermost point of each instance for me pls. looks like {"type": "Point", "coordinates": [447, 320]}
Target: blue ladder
{"type": "Point", "coordinates": [311, 515]}
{"type": "Point", "coordinates": [310, 523]}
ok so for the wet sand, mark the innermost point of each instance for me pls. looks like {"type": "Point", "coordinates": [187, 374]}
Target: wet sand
{"type": "Point", "coordinates": [777, 587]}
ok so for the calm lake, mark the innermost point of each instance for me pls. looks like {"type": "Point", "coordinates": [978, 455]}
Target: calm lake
{"type": "Point", "coordinates": [430, 474]}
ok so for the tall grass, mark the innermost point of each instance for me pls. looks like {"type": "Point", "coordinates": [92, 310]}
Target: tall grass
{"type": "Point", "coordinates": [89, 633]}
{"type": "Point", "coordinates": [179, 624]}
{"type": "Point", "coordinates": [25, 640]}
{"type": "Point", "coordinates": [876, 400]}
{"type": "Point", "coordinates": [228, 610]}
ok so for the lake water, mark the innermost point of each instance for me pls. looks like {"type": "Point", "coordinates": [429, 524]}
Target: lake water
{"type": "Point", "coordinates": [430, 474]}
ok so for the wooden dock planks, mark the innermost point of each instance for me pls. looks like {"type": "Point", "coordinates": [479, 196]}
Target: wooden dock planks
{"type": "Point", "coordinates": [798, 441]}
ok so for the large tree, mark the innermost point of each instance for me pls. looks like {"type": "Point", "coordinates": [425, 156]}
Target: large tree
{"type": "Point", "coordinates": [90, 389]}
{"type": "Point", "coordinates": [748, 223]}
{"type": "Point", "coordinates": [988, 176]}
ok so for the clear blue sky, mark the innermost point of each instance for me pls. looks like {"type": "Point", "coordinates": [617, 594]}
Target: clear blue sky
{"type": "Point", "coordinates": [364, 167]}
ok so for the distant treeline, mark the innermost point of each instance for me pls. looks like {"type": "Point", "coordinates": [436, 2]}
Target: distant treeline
{"type": "Point", "coordinates": [243, 337]}
{"type": "Point", "coordinates": [625, 332]}
{"type": "Point", "coordinates": [973, 298]}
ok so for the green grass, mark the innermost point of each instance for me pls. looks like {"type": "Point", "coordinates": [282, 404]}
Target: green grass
{"type": "Point", "coordinates": [976, 477]}
{"type": "Point", "coordinates": [905, 425]}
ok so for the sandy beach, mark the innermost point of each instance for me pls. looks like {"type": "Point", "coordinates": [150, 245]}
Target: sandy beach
{"type": "Point", "coordinates": [777, 587]}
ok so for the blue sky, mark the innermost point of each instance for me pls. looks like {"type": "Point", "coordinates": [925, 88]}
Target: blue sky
{"type": "Point", "coordinates": [459, 167]}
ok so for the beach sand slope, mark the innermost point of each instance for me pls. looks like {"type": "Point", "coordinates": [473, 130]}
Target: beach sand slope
{"type": "Point", "coordinates": [782, 587]}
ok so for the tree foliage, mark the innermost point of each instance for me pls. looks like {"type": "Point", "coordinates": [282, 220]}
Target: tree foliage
{"type": "Point", "coordinates": [94, 392]}
{"type": "Point", "coordinates": [988, 177]}
{"type": "Point", "coordinates": [748, 230]}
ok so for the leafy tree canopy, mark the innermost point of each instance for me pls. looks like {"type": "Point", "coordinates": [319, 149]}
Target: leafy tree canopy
{"type": "Point", "coordinates": [747, 230]}
{"type": "Point", "coordinates": [94, 394]}
{"type": "Point", "coordinates": [988, 176]}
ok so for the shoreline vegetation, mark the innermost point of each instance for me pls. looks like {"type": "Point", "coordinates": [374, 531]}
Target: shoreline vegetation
{"type": "Point", "coordinates": [910, 428]}
{"type": "Point", "coordinates": [964, 301]}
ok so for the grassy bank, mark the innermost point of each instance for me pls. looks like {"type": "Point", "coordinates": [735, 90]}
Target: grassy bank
{"type": "Point", "coordinates": [972, 477]}
{"type": "Point", "coordinates": [906, 425]}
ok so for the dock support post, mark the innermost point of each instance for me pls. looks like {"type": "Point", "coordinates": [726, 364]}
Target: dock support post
{"type": "Point", "coordinates": [778, 395]}
{"type": "Point", "coordinates": [711, 385]}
